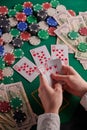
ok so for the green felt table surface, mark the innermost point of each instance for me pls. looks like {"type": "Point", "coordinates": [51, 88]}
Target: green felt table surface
{"type": "Point", "coordinates": [70, 102]}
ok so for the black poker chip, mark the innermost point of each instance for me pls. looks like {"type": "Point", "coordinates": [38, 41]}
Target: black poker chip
{"type": "Point", "coordinates": [34, 28]}
{"type": "Point", "coordinates": [17, 42]}
{"type": "Point", "coordinates": [19, 116]}
{"type": "Point", "coordinates": [42, 15]}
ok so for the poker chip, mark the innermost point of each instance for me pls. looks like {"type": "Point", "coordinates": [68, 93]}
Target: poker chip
{"type": "Point", "coordinates": [17, 43]}
{"type": "Point", "coordinates": [1, 74]}
{"type": "Point", "coordinates": [11, 12]}
{"type": "Point", "coordinates": [8, 80]}
{"type": "Point", "coordinates": [9, 58]}
{"type": "Point", "coordinates": [25, 36]}
{"type": "Point", "coordinates": [15, 32]}
{"type": "Point", "coordinates": [1, 41]}
{"type": "Point", "coordinates": [18, 7]}
{"type": "Point", "coordinates": [16, 103]}
{"type": "Point", "coordinates": [72, 12]}
{"type": "Point", "coordinates": [4, 106]}
{"type": "Point", "coordinates": [27, 4]}
{"type": "Point", "coordinates": [51, 31]}
{"type": "Point", "coordinates": [28, 11]}
{"type": "Point", "coordinates": [51, 11]}
{"type": "Point", "coordinates": [34, 40]}
{"type": "Point", "coordinates": [0, 32]}
{"type": "Point", "coordinates": [60, 8]}
{"type": "Point", "coordinates": [18, 53]}
{"type": "Point", "coordinates": [13, 21]}
{"type": "Point", "coordinates": [82, 47]}
{"type": "Point", "coordinates": [2, 51]}
{"type": "Point", "coordinates": [43, 25]}
{"type": "Point", "coordinates": [43, 34]}
{"type": "Point", "coordinates": [22, 26]}
{"type": "Point", "coordinates": [21, 16]}
{"type": "Point", "coordinates": [54, 3]}
{"type": "Point", "coordinates": [73, 35]}
{"type": "Point", "coordinates": [2, 63]}
{"type": "Point", "coordinates": [19, 116]}
{"type": "Point", "coordinates": [8, 72]}
{"type": "Point", "coordinates": [7, 37]}
{"type": "Point", "coordinates": [34, 28]}
{"type": "Point", "coordinates": [51, 22]}
{"type": "Point", "coordinates": [37, 7]}
{"type": "Point", "coordinates": [46, 5]}
{"type": "Point", "coordinates": [8, 48]}
{"type": "Point", "coordinates": [3, 10]}
{"type": "Point", "coordinates": [31, 19]}
{"type": "Point", "coordinates": [42, 15]}
{"type": "Point", "coordinates": [83, 31]}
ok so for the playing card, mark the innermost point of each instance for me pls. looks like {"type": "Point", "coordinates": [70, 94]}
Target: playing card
{"type": "Point", "coordinates": [60, 52]}
{"type": "Point", "coordinates": [40, 55]}
{"type": "Point", "coordinates": [52, 66]}
{"type": "Point", "coordinates": [27, 69]}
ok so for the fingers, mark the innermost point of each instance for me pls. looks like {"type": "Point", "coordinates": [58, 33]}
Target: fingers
{"type": "Point", "coordinates": [58, 87]}
{"type": "Point", "coordinates": [68, 70]}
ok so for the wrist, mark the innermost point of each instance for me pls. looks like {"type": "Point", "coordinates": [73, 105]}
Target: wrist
{"type": "Point", "coordinates": [52, 111]}
{"type": "Point", "coordinates": [84, 90]}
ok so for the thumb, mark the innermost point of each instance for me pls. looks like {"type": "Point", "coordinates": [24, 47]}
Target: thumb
{"type": "Point", "coordinates": [58, 87]}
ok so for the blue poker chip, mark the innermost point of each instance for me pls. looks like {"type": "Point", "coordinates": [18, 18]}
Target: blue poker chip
{"type": "Point", "coordinates": [0, 32]}
{"type": "Point", "coordinates": [22, 26]}
{"type": "Point", "coordinates": [28, 11]}
{"type": "Point", "coordinates": [2, 51]}
{"type": "Point", "coordinates": [51, 22]}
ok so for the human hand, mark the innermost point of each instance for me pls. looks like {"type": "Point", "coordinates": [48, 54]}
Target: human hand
{"type": "Point", "coordinates": [51, 98]}
{"type": "Point", "coordinates": [74, 84]}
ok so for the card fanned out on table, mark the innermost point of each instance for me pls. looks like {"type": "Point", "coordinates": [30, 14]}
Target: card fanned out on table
{"type": "Point", "coordinates": [45, 63]}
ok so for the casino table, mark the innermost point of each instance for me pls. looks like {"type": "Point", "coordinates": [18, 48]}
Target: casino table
{"type": "Point", "coordinates": [70, 102]}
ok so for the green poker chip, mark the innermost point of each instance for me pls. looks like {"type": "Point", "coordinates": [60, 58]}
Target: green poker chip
{"type": "Point", "coordinates": [73, 35]}
{"type": "Point", "coordinates": [8, 80]}
{"type": "Point", "coordinates": [82, 47]}
{"type": "Point", "coordinates": [16, 103]}
{"type": "Point", "coordinates": [31, 19]}
{"type": "Point", "coordinates": [18, 7]}
{"type": "Point", "coordinates": [18, 53]}
{"type": "Point", "coordinates": [54, 3]}
{"type": "Point", "coordinates": [37, 7]}
{"type": "Point", "coordinates": [12, 12]}
{"type": "Point", "coordinates": [2, 63]}
{"type": "Point", "coordinates": [43, 34]}
{"type": "Point", "coordinates": [15, 32]}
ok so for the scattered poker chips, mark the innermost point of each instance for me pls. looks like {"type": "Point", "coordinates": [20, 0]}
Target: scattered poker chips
{"type": "Point", "coordinates": [2, 51]}
{"type": "Point", "coordinates": [0, 32]}
{"type": "Point", "coordinates": [43, 34]}
{"type": "Point", "coordinates": [72, 12]}
{"type": "Point", "coordinates": [34, 40]}
{"type": "Point", "coordinates": [51, 12]}
{"type": "Point", "coordinates": [18, 53]}
{"type": "Point", "coordinates": [19, 116]}
{"type": "Point", "coordinates": [51, 22]}
{"type": "Point", "coordinates": [8, 80]}
{"type": "Point", "coordinates": [22, 26]}
{"type": "Point", "coordinates": [1, 74]}
{"type": "Point", "coordinates": [51, 31]}
{"type": "Point", "coordinates": [2, 63]}
{"type": "Point", "coordinates": [27, 4]}
{"type": "Point", "coordinates": [73, 35]}
{"type": "Point", "coordinates": [82, 47]}
{"type": "Point", "coordinates": [46, 5]}
{"type": "Point", "coordinates": [17, 43]}
{"type": "Point", "coordinates": [54, 3]}
{"type": "Point", "coordinates": [60, 8]}
{"type": "Point", "coordinates": [8, 48]}
{"type": "Point", "coordinates": [11, 12]}
{"type": "Point", "coordinates": [1, 41]}
{"type": "Point", "coordinates": [9, 58]}
{"type": "Point", "coordinates": [4, 106]}
{"type": "Point", "coordinates": [21, 16]}
{"type": "Point", "coordinates": [31, 19]}
{"type": "Point", "coordinates": [28, 11]}
{"type": "Point", "coordinates": [42, 15]}
{"type": "Point", "coordinates": [13, 22]}
{"type": "Point", "coordinates": [83, 31]}
{"type": "Point", "coordinates": [3, 10]}
{"type": "Point", "coordinates": [15, 32]}
{"type": "Point", "coordinates": [34, 28]}
{"type": "Point", "coordinates": [43, 25]}
{"type": "Point", "coordinates": [7, 37]}
{"type": "Point", "coordinates": [37, 7]}
{"type": "Point", "coordinates": [16, 103]}
{"type": "Point", "coordinates": [18, 7]}
{"type": "Point", "coordinates": [25, 36]}
{"type": "Point", "coordinates": [8, 72]}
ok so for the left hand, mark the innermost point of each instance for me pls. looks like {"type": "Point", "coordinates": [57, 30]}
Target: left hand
{"type": "Point", "coordinates": [51, 97]}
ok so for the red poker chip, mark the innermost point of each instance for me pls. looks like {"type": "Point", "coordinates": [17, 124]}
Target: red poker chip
{"type": "Point", "coordinates": [51, 31]}
{"type": "Point", "coordinates": [1, 74]}
{"type": "Point", "coordinates": [20, 16]}
{"type": "Point", "coordinates": [25, 36]}
{"type": "Point", "coordinates": [27, 4]}
{"type": "Point", "coordinates": [9, 58]}
{"type": "Point", "coordinates": [4, 106]}
{"type": "Point", "coordinates": [3, 10]}
{"type": "Point", "coordinates": [83, 31]}
{"type": "Point", "coordinates": [46, 5]}
{"type": "Point", "coordinates": [72, 12]}
{"type": "Point", "coordinates": [1, 41]}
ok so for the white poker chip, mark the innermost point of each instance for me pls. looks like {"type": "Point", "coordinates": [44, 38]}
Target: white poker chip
{"type": "Point", "coordinates": [60, 8]}
{"type": "Point", "coordinates": [13, 22]}
{"type": "Point", "coordinates": [7, 37]}
{"type": "Point", "coordinates": [43, 25]}
{"type": "Point", "coordinates": [8, 72]}
{"type": "Point", "coordinates": [51, 11]}
{"type": "Point", "coordinates": [34, 40]}
{"type": "Point", "coordinates": [8, 48]}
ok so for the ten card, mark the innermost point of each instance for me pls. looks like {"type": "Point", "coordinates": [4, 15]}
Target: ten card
{"type": "Point", "coordinates": [60, 52]}
{"type": "Point", "coordinates": [40, 55]}
{"type": "Point", "coordinates": [27, 69]}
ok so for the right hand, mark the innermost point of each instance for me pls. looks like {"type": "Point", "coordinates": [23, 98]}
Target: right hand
{"type": "Point", "coordinates": [74, 84]}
